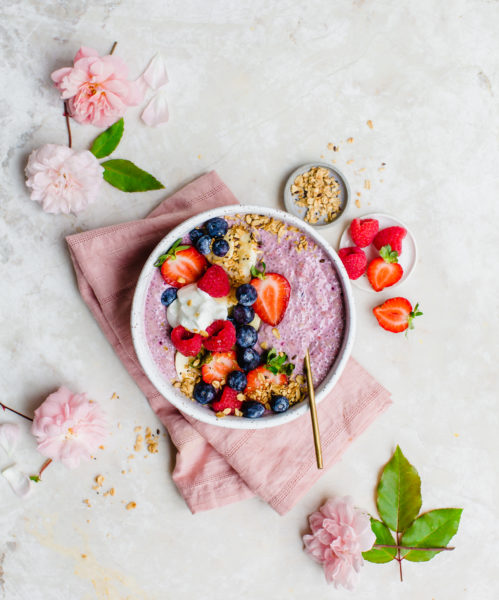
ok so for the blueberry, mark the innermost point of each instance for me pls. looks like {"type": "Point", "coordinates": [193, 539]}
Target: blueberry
{"type": "Point", "coordinates": [236, 380]}
{"type": "Point", "coordinates": [246, 294]}
{"type": "Point", "coordinates": [203, 244]}
{"type": "Point", "coordinates": [279, 404]}
{"type": "Point", "coordinates": [243, 314]}
{"type": "Point", "coordinates": [195, 234]}
{"type": "Point", "coordinates": [204, 392]}
{"type": "Point", "coordinates": [248, 359]}
{"type": "Point", "coordinates": [216, 227]}
{"type": "Point", "coordinates": [252, 409]}
{"type": "Point", "coordinates": [246, 336]}
{"type": "Point", "coordinates": [220, 247]}
{"type": "Point", "coordinates": [168, 296]}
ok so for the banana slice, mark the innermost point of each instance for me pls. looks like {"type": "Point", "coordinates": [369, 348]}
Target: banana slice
{"type": "Point", "coordinates": [182, 366]}
{"type": "Point", "coordinates": [256, 322]}
{"type": "Point", "coordinates": [242, 255]}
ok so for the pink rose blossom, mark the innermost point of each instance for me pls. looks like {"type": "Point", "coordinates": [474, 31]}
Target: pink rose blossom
{"type": "Point", "coordinates": [68, 427]}
{"type": "Point", "coordinates": [97, 88]}
{"type": "Point", "coordinates": [63, 180]}
{"type": "Point", "coordinates": [340, 533]}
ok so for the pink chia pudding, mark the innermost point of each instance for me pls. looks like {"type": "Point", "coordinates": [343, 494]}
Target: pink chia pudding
{"type": "Point", "coordinates": [264, 253]}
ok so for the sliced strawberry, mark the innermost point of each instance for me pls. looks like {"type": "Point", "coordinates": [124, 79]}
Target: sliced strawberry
{"type": "Point", "coordinates": [181, 265]}
{"type": "Point", "coordinates": [385, 271]}
{"type": "Point", "coordinates": [228, 399]}
{"type": "Point", "coordinates": [390, 236]}
{"type": "Point", "coordinates": [273, 292]}
{"type": "Point", "coordinates": [220, 365]}
{"type": "Point", "coordinates": [262, 376]}
{"type": "Point", "coordinates": [396, 314]}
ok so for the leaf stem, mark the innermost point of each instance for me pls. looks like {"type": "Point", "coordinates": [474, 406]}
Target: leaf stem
{"type": "Point", "coordinates": [433, 549]}
{"type": "Point", "coordinates": [113, 47]}
{"type": "Point", "coordinates": [66, 115]}
{"type": "Point", "coordinates": [15, 411]}
{"type": "Point", "coordinates": [44, 466]}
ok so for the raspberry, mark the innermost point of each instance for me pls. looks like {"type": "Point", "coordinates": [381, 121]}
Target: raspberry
{"type": "Point", "coordinates": [363, 231]}
{"type": "Point", "coordinates": [186, 342]}
{"type": "Point", "coordinates": [228, 399]}
{"type": "Point", "coordinates": [222, 336]}
{"type": "Point", "coordinates": [391, 236]}
{"type": "Point", "coordinates": [354, 261]}
{"type": "Point", "coordinates": [215, 282]}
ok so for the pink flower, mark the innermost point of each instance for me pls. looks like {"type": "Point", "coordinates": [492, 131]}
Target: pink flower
{"type": "Point", "coordinates": [97, 88]}
{"type": "Point", "coordinates": [68, 427]}
{"type": "Point", "coordinates": [340, 533]}
{"type": "Point", "coordinates": [63, 180]}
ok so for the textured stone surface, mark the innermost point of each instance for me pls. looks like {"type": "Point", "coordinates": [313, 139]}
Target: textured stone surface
{"type": "Point", "coordinates": [256, 90]}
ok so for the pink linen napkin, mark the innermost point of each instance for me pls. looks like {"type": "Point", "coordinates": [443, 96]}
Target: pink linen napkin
{"type": "Point", "coordinates": [215, 466]}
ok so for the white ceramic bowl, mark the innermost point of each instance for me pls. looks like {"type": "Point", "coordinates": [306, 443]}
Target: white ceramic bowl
{"type": "Point", "coordinates": [204, 413]}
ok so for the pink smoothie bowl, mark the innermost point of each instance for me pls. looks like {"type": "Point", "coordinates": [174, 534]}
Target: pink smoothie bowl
{"type": "Point", "coordinates": [202, 412]}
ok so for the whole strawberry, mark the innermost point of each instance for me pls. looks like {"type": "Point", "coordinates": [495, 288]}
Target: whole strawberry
{"type": "Point", "coordinates": [363, 231]}
{"type": "Point", "coordinates": [390, 236]}
{"type": "Point", "coordinates": [354, 260]}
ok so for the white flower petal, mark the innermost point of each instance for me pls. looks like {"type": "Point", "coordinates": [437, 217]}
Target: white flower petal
{"type": "Point", "coordinates": [156, 112]}
{"type": "Point", "coordinates": [9, 435]}
{"type": "Point", "coordinates": [18, 481]}
{"type": "Point", "coordinates": [155, 75]}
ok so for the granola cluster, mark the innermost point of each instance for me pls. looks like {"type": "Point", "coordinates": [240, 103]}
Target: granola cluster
{"type": "Point", "coordinates": [318, 192]}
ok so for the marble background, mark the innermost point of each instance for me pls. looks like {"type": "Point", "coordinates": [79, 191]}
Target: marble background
{"type": "Point", "coordinates": [257, 88]}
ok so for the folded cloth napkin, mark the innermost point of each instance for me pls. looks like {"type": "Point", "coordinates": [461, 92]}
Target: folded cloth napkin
{"type": "Point", "coordinates": [215, 466]}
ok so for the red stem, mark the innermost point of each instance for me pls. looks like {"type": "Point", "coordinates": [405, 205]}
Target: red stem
{"type": "Point", "coordinates": [114, 47]}
{"type": "Point", "coordinates": [66, 115]}
{"type": "Point", "coordinates": [15, 411]}
{"type": "Point", "coordinates": [44, 466]}
{"type": "Point", "coordinates": [398, 556]}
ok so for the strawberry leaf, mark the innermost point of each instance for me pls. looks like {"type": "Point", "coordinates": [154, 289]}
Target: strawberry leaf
{"type": "Point", "coordinates": [34, 478]}
{"type": "Point", "coordinates": [108, 141]}
{"type": "Point", "coordinates": [398, 496]}
{"type": "Point", "coordinates": [432, 529]}
{"type": "Point", "coordinates": [383, 536]}
{"type": "Point", "coordinates": [127, 177]}
{"type": "Point", "coordinates": [171, 253]}
{"type": "Point", "coordinates": [260, 273]}
{"type": "Point", "coordinates": [389, 255]}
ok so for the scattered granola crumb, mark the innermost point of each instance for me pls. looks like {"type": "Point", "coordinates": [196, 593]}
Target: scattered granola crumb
{"type": "Point", "coordinates": [199, 156]}
{"type": "Point", "coordinates": [456, 435]}
{"type": "Point", "coordinates": [99, 480]}
{"type": "Point", "coordinates": [84, 556]}
{"type": "Point", "coordinates": [322, 156]}
{"type": "Point", "coordinates": [101, 447]}
{"type": "Point", "coordinates": [350, 140]}
{"type": "Point", "coordinates": [349, 162]}
{"type": "Point", "coordinates": [264, 345]}
{"type": "Point", "coordinates": [138, 428]}
{"type": "Point", "coordinates": [370, 124]}
{"type": "Point", "coordinates": [120, 425]}
{"type": "Point", "coordinates": [131, 505]}
{"type": "Point", "coordinates": [357, 203]}
{"type": "Point", "coordinates": [138, 443]}
{"type": "Point", "coordinates": [359, 194]}
{"type": "Point", "coordinates": [330, 146]}
{"type": "Point", "coordinates": [275, 333]}
{"type": "Point", "coordinates": [114, 396]}
{"type": "Point", "coordinates": [151, 441]}
{"type": "Point", "coordinates": [367, 184]}
{"type": "Point", "coordinates": [87, 502]}
{"type": "Point", "coordinates": [130, 456]}
{"type": "Point", "coordinates": [123, 471]}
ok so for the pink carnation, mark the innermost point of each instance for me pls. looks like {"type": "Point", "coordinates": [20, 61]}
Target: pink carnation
{"type": "Point", "coordinates": [97, 88]}
{"type": "Point", "coordinates": [63, 180]}
{"type": "Point", "coordinates": [340, 533]}
{"type": "Point", "coordinates": [68, 427]}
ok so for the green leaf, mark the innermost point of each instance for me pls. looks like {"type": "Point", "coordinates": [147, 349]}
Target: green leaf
{"type": "Point", "coordinates": [389, 255]}
{"type": "Point", "coordinates": [383, 536]}
{"type": "Point", "coordinates": [108, 141]}
{"type": "Point", "coordinates": [398, 496]}
{"type": "Point", "coordinates": [34, 478]}
{"type": "Point", "coordinates": [171, 253]}
{"type": "Point", "coordinates": [432, 529]}
{"type": "Point", "coordinates": [127, 177]}
{"type": "Point", "coordinates": [260, 273]}
{"type": "Point", "coordinates": [276, 362]}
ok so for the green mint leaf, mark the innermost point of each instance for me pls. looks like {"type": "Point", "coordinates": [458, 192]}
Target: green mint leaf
{"type": "Point", "coordinates": [388, 255]}
{"type": "Point", "coordinates": [432, 529]}
{"type": "Point", "coordinates": [127, 177]}
{"type": "Point", "coordinates": [398, 495]}
{"type": "Point", "coordinates": [34, 478]}
{"type": "Point", "coordinates": [161, 260]}
{"type": "Point", "coordinates": [383, 536]}
{"type": "Point", "coordinates": [108, 141]}
{"type": "Point", "coordinates": [171, 253]}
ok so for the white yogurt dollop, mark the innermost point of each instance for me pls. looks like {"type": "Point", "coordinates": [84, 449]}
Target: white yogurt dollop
{"type": "Point", "coordinates": [194, 309]}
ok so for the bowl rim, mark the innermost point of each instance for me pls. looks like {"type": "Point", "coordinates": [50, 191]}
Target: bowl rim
{"type": "Point", "coordinates": [182, 402]}
{"type": "Point", "coordinates": [290, 205]}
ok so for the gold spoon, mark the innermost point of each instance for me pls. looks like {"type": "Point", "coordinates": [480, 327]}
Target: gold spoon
{"type": "Point", "coordinates": [313, 412]}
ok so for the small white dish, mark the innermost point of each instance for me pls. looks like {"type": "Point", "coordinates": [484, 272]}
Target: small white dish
{"type": "Point", "coordinates": [300, 211]}
{"type": "Point", "coordinates": [407, 259]}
